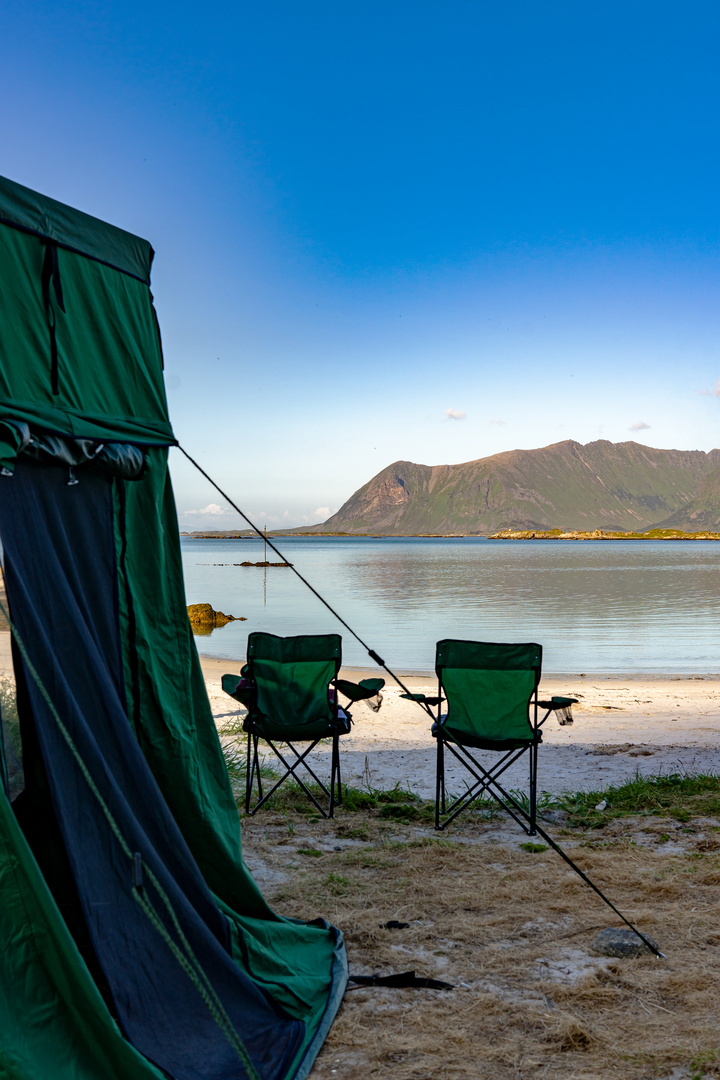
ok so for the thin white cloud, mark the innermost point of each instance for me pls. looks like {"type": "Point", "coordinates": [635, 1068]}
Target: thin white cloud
{"type": "Point", "coordinates": [455, 414]}
{"type": "Point", "coordinates": [495, 421]}
{"type": "Point", "coordinates": [211, 510]}
{"type": "Point", "coordinates": [640, 426]}
{"type": "Point", "coordinates": [715, 392]}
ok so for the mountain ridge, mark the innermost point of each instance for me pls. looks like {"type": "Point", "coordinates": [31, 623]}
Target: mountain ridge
{"type": "Point", "coordinates": [567, 485]}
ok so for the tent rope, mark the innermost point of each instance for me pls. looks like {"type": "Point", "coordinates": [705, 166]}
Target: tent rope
{"type": "Point", "coordinates": [185, 956]}
{"type": "Point", "coordinates": [371, 652]}
{"type": "Point", "coordinates": [563, 855]}
{"type": "Point", "coordinates": [426, 707]}
{"type": "Point", "coordinates": [581, 873]}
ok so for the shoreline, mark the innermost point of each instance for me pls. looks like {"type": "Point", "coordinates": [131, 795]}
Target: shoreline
{"type": "Point", "coordinates": [505, 534]}
{"type": "Point", "coordinates": [366, 672]}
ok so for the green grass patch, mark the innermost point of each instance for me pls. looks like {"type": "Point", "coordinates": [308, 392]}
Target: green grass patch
{"type": "Point", "coordinates": [677, 795]}
{"type": "Point", "coordinates": [10, 733]}
{"type": "Point", "coordinates": [705, 1064]}
{"type": "Point", "coordinates": [420, 812]}
{"type": "Point", "coordinates": [422, 842]}
{"type": "Point", "coordinates": [235, 756]}
{"type": "Point", "coordinates": [534, 848]}
{"type": "Point", "coordinates": [236, 764]}
{"type": "Point", "coordinates": [336, 885]}
{"type": "Point", "coordinates": [8, 709]}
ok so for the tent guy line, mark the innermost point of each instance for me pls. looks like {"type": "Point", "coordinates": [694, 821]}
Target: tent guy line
{"type": "Point", "coordinates": [371, 652]}
{"type": "Point", "coordinates": [563, 855]}
{"type": "Point", "coordinates": [378, 660]}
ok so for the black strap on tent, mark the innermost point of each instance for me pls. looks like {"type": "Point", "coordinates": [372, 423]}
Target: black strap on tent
{"type": "Point", "coordinates": [51, 271]}
{"type": "Point", "coordinates": [183, 952]}
{"type": "Point", "coordinates": [371, 652]}
{"type": "Point", "coordinates": [404, 980]}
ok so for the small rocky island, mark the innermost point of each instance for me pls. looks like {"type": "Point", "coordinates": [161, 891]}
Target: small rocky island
{"type": "Point", "coordinates": [264, 563]}
{"type": "Point", "coordinates": [204, 619]}
{"type": "Point", "coordinates": [601, 534]}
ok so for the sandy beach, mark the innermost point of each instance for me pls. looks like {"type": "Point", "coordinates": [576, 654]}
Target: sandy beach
{"type": "Point", "coordinates": [621, 724]}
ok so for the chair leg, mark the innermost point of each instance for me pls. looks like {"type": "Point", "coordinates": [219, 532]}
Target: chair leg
{"type": "Point", "coordinates": [533, 789]}
{"type": "Point", "coordinates": [291, 773]}
{"type": "Point", "coordinates": [248, 774]}
{"type": "Point", "coordinates": [338, 800]}
{"type": "Point", "coordinates": [333, 774]}
{"type": "Point", "coordinates": [257, 767]}
{"type": "Point", "coordinates": [334, 794]}
{"type": "Point", "coordinates": [252, 770]}
{"type": "Point", "coordinates": [439, 782]}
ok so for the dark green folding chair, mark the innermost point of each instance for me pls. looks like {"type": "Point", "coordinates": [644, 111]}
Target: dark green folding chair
{"type": "Point", "coordinates": [290, 689]}
{"type": "Point", "coordinates": [492, 704]}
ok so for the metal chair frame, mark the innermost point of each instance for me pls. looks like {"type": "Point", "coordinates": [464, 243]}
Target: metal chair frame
{"type": "Point", "coordinates": [486, 780]}
{"type": "Point", "coordinates": [334, 794]}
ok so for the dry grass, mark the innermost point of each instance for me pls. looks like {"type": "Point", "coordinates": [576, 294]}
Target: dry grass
{"type": "Point", "coordinates": [511, 930]}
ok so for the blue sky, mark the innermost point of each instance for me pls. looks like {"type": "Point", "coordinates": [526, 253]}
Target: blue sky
{"type": "Point", "coordinates": [393, 230]}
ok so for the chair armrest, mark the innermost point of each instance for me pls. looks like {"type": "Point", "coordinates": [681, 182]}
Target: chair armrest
{"type": "Point", "coordinates": [241, 689]}
{"type": "Point", "coordinates": [423, 699]}
{"type": "Point", "coordinates": [561, 706]}
{"type": "Point", "coordinates": [366, 688]}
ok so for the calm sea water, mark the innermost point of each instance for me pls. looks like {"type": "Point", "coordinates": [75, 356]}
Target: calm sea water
{"type": "Point", "coordinates": [594, 606]}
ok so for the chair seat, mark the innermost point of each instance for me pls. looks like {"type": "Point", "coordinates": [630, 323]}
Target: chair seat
{"type": "Point", "coordinates": [321, 729]}
{"type": "Point", "coordinates": [463, 738]}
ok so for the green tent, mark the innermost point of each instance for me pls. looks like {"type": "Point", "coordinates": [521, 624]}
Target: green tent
{"type": "Point", "coordinates": [133, 941]}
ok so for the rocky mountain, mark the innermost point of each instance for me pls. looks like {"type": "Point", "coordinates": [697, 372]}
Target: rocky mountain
{"type": "Point", "coordinates": [703, 510]}
{"type": "Point", "coordinates": [601, 485]}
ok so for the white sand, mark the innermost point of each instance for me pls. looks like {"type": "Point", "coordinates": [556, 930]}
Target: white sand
{"type": "Point", "coordinates": [621, 725]}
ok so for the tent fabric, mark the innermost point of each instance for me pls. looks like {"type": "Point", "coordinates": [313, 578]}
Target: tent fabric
{"type": "Point", "coordinates": [62, 589]}
{"type": "Point", "coordinates": [49, 219]}
{"type": "Point", "coordinates": [44, 975]}
{"type": "Point", "coordinates": [109, 358]}
{"type": "Point", "coordinates": [95, 586]}
{"type": "Point", "coordinates": [168, 705]}
{"type": "Point", "coordinates": [114, 459]}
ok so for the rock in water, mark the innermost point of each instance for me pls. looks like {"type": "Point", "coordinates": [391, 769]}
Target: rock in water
{"type": "Point", "coordinates": [201, 613]}
{"type": "Point", "coordinates": [204, 617]}
{"type": "Point", "coordinates": [624, 944]}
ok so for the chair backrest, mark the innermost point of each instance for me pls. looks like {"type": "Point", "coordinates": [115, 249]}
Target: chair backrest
{"type": "Point", "coordinates": [489, 686]}
{"type": "Point", "coordinates": [292, 676]}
